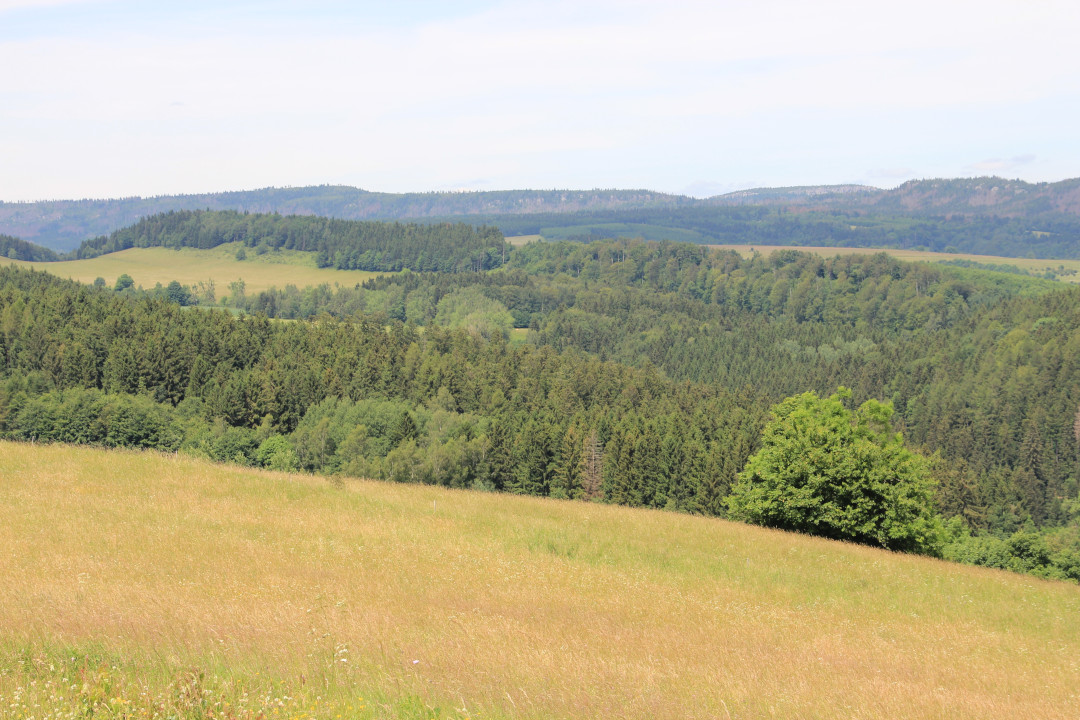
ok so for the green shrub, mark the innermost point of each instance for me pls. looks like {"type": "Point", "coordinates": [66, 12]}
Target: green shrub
{"type": "Point", "coordinates": [824, 470]}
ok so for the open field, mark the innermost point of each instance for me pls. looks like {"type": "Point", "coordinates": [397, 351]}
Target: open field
{"type": "Point", "coordinates": [1029, 264]}
{"type": "Point", "coordinates": [518, 240]}
{"type": "Point", "coordinates": [149, 266]}
{"type": "Point", "coordinates": [140, 582]}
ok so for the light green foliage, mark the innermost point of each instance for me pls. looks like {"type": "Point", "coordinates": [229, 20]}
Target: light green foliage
{"type": "Point", "coordinates": [825, 470]}
{"type": "Point", "coordinates": [469, 308]}
{"type": "Point", "coordinates": [276, 453]}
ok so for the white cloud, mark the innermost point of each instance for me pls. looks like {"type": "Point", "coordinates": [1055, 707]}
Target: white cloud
{"type": "Point", "coordinates": [604, 92]}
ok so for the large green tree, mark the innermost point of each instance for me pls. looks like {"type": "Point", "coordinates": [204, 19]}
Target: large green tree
{"type": "Point", "coordinates": [825, 470]}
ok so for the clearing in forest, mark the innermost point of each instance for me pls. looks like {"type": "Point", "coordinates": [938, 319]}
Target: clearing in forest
{"type": "Point", "coordinates": [190, 266]}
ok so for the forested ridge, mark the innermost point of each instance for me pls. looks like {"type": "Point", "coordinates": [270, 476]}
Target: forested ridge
{"type": "Point", "coordinates": [63, 224]}
{"type": "Point", "coordinates": [973, 196]}
{"type": "Point", "coordinates": [648, 375]}
{"type": "Point", "coordinates": [343, 244]}
{"type": "Point", "coordinates": [987, 216]}
{"type": "Point", "coordinates": [1046, 236]}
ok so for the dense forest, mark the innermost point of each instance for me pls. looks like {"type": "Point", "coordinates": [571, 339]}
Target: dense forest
{"type": "Point", "coordinates": [772, 327]}
{"type": "Point", "coordinates": [1050, 236]}
{"type": "Point", "coordinates": [343, 244]}
{"type": "Point", "coordinates": [647, 376]}
{"type": "Point", "coordinates": [90, 365]}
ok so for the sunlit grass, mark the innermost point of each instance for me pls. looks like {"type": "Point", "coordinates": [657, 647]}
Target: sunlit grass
{"type": "Point", "coordinates": [189, 266]}
{"type": "Point", "coordinates": [164, 572]}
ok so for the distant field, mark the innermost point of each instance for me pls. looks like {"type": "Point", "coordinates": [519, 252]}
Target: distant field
{"type": "Point", "coordinates": [1029, 264]}
{"type": "Point", "coordinates": [149, 266]}
{"type": "Point", "coordinates": [142, 585]}
{"type": "Point", "coordinates": [518, 240]}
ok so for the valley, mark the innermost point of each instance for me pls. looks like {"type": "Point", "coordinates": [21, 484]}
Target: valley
{"type": "Point", "coordinates": [489, 477]}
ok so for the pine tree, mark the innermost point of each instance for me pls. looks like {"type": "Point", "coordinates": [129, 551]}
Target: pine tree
{"type": "Point", "coordinates": [404, 430]}
{"type": "Point", "coordinates": [592, 474]}
{"type": "Point", "coordinates": [567, 480]}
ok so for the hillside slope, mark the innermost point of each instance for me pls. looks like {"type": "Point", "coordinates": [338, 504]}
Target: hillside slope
{"type": "Point", "coordinates": [188, 584]}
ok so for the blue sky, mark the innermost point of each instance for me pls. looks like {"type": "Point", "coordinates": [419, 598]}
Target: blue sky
{"type": "Point", "coordinates": [104, 98]}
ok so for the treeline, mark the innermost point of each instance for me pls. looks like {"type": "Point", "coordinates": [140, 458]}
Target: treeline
{"type": "Point", "coordinates": [1049, 236]}
{"type": "Point", "coordinates": [15, 249]}
{"type": "Point", "coordinates": [343, 244]}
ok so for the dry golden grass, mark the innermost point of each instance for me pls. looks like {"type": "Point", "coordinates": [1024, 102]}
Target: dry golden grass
{"type": "Point", "coordinates": [494, 606]}
{"type": "Point", "coordinates": [1030, 264]}
{"type": "Point", "coordinates": [188, 266]}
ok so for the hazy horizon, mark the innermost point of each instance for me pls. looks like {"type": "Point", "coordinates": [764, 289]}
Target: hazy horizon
{"type": "Point", "coordinates": [507, 189]}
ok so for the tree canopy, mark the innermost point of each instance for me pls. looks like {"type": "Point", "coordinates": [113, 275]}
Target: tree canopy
{"type": "Point", "coordinates": [825, 470]}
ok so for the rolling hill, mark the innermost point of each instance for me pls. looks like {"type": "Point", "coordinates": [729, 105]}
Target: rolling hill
{"type": "Point", "coordinates": [150, 585]}
{"type": "Point", "coordinates": [1049, 208]}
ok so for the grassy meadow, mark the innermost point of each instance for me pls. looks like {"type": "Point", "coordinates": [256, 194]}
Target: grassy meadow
{"type": "Point", "coordinates": [189, 266]}
{"type": "Point", "coordinates": [519, 240]}
{"type": "Point", "coordinates": [144, 585]}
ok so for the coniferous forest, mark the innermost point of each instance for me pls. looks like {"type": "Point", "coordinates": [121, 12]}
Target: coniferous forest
{"type": "Point", "coordinates": [343, 244]}
{"type": "Point", "coordinates": [624, 371]}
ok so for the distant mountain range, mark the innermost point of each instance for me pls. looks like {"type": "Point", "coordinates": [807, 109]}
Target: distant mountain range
{"type": "Point", "coordinates": [969, 197]}
{"type": "Point", "coordinates": [63, 224]}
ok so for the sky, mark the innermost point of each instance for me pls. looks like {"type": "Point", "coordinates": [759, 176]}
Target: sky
{"type": "Point", "coordinates": [114, 98]}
